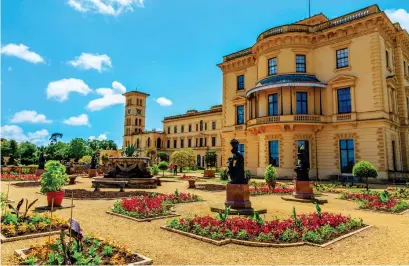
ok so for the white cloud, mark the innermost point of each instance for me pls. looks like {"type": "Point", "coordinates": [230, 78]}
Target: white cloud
{"type": "Point", "coordinates": [61, 88]}
{"type": "Point", "coordinates": [23, 52]}
{"type": "Point", "coordinates": [100, 137]}
{"type": "Point", "coordinates": [162, 101]}
{"type": "Point", "coordinates": [109, 97]}
{"type": "Point", "coordinates": [9, 68]}
{"type": "Point", "coordinates": [26, 116]}
{"type": "Point", "coordinates": [105, 7]}
{"type": "Point", "coordinates": [399, 15]}
{"type": "Point", "coordinates": [92, 61]}
{"type": "Point", "coordinates": [15, 132]}
{"type": "Point", "coordinates": [81, 120]}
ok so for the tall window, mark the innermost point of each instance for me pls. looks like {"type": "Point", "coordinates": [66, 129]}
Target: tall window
{"type": "Point", "coordinates": [407, 103]}
{"type": "Point", "coordinates": [197, 127]}
{"type": "Point", "coordinates": [274, 158]}
{"type": "Point", "coordinates": [393, 102]}
{"type": "Point", "coordinates": [182, 129]}
{"type": "Point", "coordinates": [201, 142]}
{"type": "Point", "coordinates": [302, 104]}
{"type": "Point", "coordinates": [347, 155]}
{"type": "Point", "coordinates": [272, 66]}
{"type": "Point", "coordinates": [175, 129]}
{"type": "Point", "coordinates": [240, 115]}
{"type": "Point", "coordinates": [273, 104]}
{"type": "Point", "coordinates": [344, 100]}
{"type": "Point", "coordinates": [300, 63]}
{"type": "Point", "coordinates": [387, 58]}
{"type": "Point", "coordinates": [405, 70]}
{"type": "Point", "coordinates": [168, 144]}
{"type": "Point", "coordinates": [201, 125]}
{"type": "Point", "coordinates": [394, 155]}
{"type": "Point", "coordinates": [190, 128]}
{"type": "Point", "coordinates": [241, 149]}
{"type": "Point", "coordinates": [158, 143]}
{"type": "Point", "coordinates": [342, 58]}
{"type": "Point", "coordinates": [240, 82]}
{"type": "Point", "coordinates": [205, 142]}
{"type": "Point", "coordinates": [182, 143]}
{"type": "Point", "coordinates": [189, 143]}
{"type": "Point", "coordinates": [175, 143]}
{"type": "Point", "coordinates": [306, 145]}
{"type": "Point", "coordinates": [205, 126]}
{"type": "Point", "coordinates": [213, 125]}
{"type": "Point", "coordinates": [196, 142]}
{"type": "Point", "coordinates": [168, 130]}
{"type": "Point", "coordinates": [137, 143]}
{"type": "Point", "coordinates": [213, 141]}
{"type": "Point", "coordinates": [149, 142]}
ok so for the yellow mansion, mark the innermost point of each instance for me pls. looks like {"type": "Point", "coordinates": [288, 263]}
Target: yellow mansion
{"type": "Point", "coordinates": [338, 87]}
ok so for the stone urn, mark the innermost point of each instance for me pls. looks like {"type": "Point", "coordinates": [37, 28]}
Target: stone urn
{"type": "Point", "coordinates": [72, 179]}
{"type": "Point", "coordinates": [192, 183]}
{"type": "Point", "coordinates": [6, 160]}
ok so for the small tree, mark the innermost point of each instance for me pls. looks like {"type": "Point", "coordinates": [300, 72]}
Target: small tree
{"type": "Point", "coordinates": [270, 174]}
{"type": "Point", "coordinates": [163, 166]}
{"type": "Point", "coordinates": [210, 158]}
{"type": "Point", "coordinates": [54, 178]}
{"type": "Point", "coordinates": [183, 158]}
{"type": "Point", "coordinates": [154, 169]}
{"type": "Point", "coordinates": [163, 156]}
{"type": "Point", "coordinates": [364, 169]}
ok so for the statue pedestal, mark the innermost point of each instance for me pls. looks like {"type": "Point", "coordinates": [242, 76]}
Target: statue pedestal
{"type": "Point", "coordinates": [39, 172]}
{"type": "Point", "coordinates": [237, 196]}
{"type": "Point", "coordinates": [238, 199]}
{"type": "Point", "coordinates": [92, 172]}
{"type": "Point", "coordinates": [303, 190]}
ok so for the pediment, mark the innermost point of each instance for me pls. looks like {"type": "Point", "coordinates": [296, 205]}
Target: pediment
{"type": "Point", "coordinates": [239, 99]}
{"type": "Point", "coordinates": [392, 81]}
{"type": "Point", "coordinates": [342, 80]}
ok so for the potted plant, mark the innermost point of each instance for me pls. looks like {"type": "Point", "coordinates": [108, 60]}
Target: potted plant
{"type": "Point", "coordinates": [270, 176]}
{"type": "Point", "coordinates": [52, 182]}
{"type": "Point", "coordinates": [364, 169]}
{"type": "Point", "coordinates": [72, 179]}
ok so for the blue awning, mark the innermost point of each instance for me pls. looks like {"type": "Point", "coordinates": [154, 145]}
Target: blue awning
{"type": "Point", "coordinates": [287, 80]}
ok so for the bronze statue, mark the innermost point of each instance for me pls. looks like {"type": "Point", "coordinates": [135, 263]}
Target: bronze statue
{"type": "Point", "coordinates": [94, 161]}
{"type": "Point", "coordinates": [302, 167]}
{"type": "Point", "coordinates": [236, 165]}
{"type": "Point", "coordinates": [41, 161]}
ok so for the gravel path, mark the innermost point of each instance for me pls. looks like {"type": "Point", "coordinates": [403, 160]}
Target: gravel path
{"type": "Point", "coordinates": [386, 243]}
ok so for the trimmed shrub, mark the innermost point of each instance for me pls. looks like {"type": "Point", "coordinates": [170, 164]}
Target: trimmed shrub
{"type": "Point", "coordinates": [364, 169]}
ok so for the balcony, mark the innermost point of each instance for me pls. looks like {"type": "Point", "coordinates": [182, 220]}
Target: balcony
{"type": "Point", "coordinates": [297, 119]}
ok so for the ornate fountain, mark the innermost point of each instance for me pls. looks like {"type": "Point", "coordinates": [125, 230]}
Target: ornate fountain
{"type": "Point", "coordinates": [129, 167]}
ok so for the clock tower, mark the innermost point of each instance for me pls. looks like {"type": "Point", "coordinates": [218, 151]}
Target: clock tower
{"type": "Point", "coordinates": [135, 110]}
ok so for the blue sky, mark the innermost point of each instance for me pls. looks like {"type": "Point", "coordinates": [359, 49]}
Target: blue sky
{"type": "Point", "coordinates": [65, 63]}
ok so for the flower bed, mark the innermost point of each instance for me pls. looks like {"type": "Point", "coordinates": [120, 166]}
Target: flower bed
{"type": "Point", "coordinates": [187, 178]}
{"type": "Point", "coordinates": [315, 228]}
{"type": "Point", "coordinates": [13, 226]}
{"type": "Point", "coordinates": [83, 194]}
{"type": "Point", "coordinates": [27, 184]}
{"type": "Point", "coordinates": [265, 189]}
{"type": "Point", "coordinates": [383, 202]}
{"type": "Point", "coordinates": [151, 206]}
{"type": "Point", "coordinates": [335, 187]}
{"type": "Point", "coordinates": [18, 177]}
{"type": "Point", "coordinates": [79, 250]}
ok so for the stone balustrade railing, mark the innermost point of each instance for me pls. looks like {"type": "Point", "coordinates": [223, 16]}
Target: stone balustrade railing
{"type": "Point", "coordinates": [286, 118]}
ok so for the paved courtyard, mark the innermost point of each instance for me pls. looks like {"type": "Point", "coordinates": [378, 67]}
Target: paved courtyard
{"type": "Point", "coordinates": [386, 243]}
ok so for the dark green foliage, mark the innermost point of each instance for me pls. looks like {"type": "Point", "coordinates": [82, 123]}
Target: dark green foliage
{"type": "Point", "coordinates": [364, 169]}
{"type": "Point", "coordinates": [163, 156]}
{"type": "Point", "coordinates": [210, 158]}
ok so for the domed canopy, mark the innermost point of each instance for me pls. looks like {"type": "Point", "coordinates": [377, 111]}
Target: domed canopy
{"type": "Point", "coordinates": [287, 80]}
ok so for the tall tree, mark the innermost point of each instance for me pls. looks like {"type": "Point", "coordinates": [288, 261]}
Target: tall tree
{"type": "Point", "coordinates": [14, 152]}
{"type": "Point", "coordinates": [77, 148]}
{"type": "Point", "coordinates": [5, 149]}
{"type": "Point", "coordinates": [54, 137]}
{"type": "Point", "coordinates": [210, 158]}
{"type": "Point", "coordinates": [28, 153]}
{"type": "Point", "coordinates": [57, 151]}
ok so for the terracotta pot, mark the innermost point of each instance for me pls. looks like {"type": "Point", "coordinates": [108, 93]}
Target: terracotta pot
{"type": "Point", "coordinates": [57, 196]}
{"type": "Point", "coordinates": [271, 184]}
{"type": "Point", "coordinates": [192, 183]}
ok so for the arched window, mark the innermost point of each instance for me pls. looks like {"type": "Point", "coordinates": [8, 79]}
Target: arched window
{"type": "Point", "coordinates": [136, 121]}
{"type": "Point", "coordinates": [140, 122]}
{"type": "Point", "coordinates": [199, 160]}
{"type": "Point", "coordinates": [158, 142]}
{"type": "Point", "coordinates": [137, 143]}
{"type": "Point", "coordinates": [201, 125]}
{"type": "Point", "coordinates": [149, 142]}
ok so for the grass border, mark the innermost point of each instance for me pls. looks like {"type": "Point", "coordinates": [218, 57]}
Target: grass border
{"type": "Point", "coordinates": [262, 244]}
{"type": "Point", "coordinates": [145, 219]}
{"type": "Point", "coordinates": [145, 260]}
{"type": "Point", "coordinates": [4, 239]}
